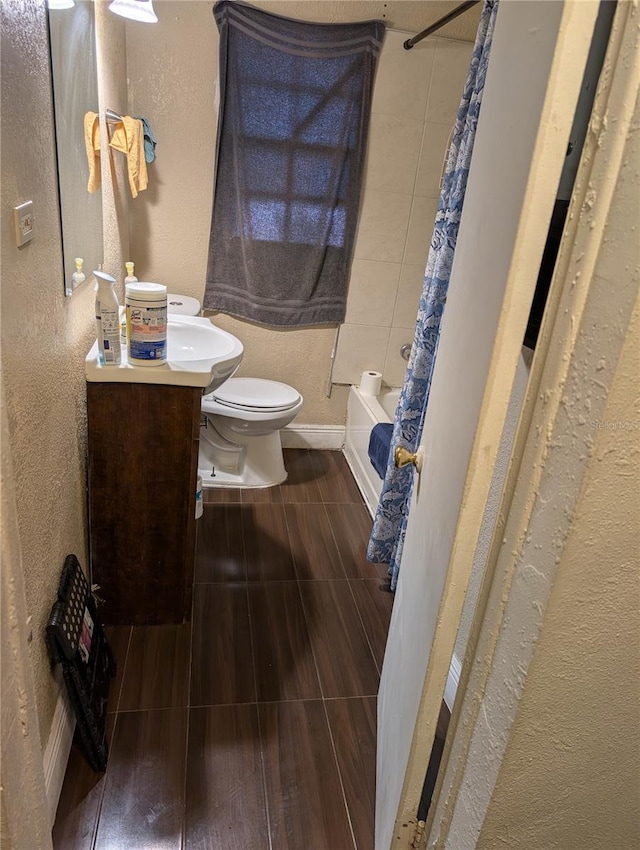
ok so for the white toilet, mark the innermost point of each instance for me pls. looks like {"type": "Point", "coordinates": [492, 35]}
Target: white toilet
{"type": "Point", "coordinates": [241, 421]}
{"type": "Point", "coordinates": [240, 438]}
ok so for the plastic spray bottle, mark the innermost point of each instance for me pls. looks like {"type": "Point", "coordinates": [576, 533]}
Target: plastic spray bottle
{"type": "Point", "coordinates": [130, 278]}
{"type": "Point", "coordinates": [107, 320]}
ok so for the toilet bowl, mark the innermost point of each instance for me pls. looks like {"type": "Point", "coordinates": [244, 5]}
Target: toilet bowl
{"type": "Point", "coordinates": [241, 421]}
{"type": "Point", "coordinates": [240, 435]}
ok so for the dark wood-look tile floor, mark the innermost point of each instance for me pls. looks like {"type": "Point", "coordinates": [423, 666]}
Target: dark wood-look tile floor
{"type": "Point", "coordinates": [254, 726]}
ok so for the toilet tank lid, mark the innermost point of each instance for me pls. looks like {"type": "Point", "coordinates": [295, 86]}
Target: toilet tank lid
{"type": "Point", "coordinates": [182, 305]}
{"type": "Point", "coordinates": [256, 392]}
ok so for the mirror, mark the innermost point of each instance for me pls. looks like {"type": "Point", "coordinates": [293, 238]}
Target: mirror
{"type": "Point", "coordinates": [74, 76]}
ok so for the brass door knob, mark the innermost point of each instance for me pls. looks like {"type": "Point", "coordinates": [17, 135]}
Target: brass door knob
{"type": "Point", "coordinates": [403, 457]}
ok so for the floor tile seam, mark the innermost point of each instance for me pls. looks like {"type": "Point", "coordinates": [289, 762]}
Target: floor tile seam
{"type": "Point", "coordinates": [225, 582]}
{"type": "Point", "coordinates": [364, 629]}
{"type": "Point", "coordinates": [335, 539]}
{"type": "Point", "coordinates": [94, 835]}
{"type": "Point", "coordinates": [264, 778]}
{"type": "Point", "coordinates": [94, 840]}
{"type": "Point", "coordinates": [339, 475]}
{"type": "Point", "coordinates": [183, 835]}
{"type": "Point", "coordinates": [269, 702]}
{"type": "Point", "coordinates": [171, 663]}
{"type": "Point", "coordinates": [293, 555]}
{"type": "Point", "coordinates": [283, 633]}
{"type": "Point", "coordinates": [206, 504]}
{"type": "Point", "coordinates": [124, 670]}
{"type": "Point", "coordinates": [221, 506]}
{"type": "Point", "coordinates": [276, 488]}
{"type": "Point", "coordinates": [341, 502]}
{"type": "Point", "coordinates": [161, 708]}
{"type": "Point", "coordinates": [246, 560]}
{"type": "Point", "coordinates": [305, 502]}
{"type": "Point", "coordinates": [251, 643]}
{"type": "Point", "coordinates": [323, 580]}
{"type": "Point", "coordinates": [96, 824]}
{"type": "Point", "coordinates": [244, 490]}
{"type": "Point", "coordinates": [244, 544]}
{"type": "Point", "coordinates": [220, 584]}
{"type": "Point", "coordinates": [322, 688]}
{"type": "Point", "coordinates": [340, 780]}
{"type": "Point", "coordinates": [313, 651]}
{"type": "Point", "coordinates": [253, 582]}
{"type": "Point", "coordinates": [352, 697]}
{"type": "Point", "coordinates": [154, 707]}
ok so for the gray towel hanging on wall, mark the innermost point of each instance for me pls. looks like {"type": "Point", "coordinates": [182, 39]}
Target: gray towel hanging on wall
{"type": "Point", "coordinates": [295, 101]}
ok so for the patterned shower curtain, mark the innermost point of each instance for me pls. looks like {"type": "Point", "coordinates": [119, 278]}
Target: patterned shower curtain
{"type": "Point", "coordinates": [389, 527]}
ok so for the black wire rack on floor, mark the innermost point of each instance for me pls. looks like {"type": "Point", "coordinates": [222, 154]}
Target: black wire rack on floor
{"type": "Point", "coordinates": [77, 640]}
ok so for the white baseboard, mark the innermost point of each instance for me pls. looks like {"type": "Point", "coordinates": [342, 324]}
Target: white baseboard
{"type": "Point", "coordinates": [313, 437]}
{"type": "Point", "coordinates": [452, 682]}
{"type": "Point", "coordinates": [56, 753]}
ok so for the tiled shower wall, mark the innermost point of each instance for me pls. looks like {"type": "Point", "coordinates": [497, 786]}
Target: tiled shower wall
{"type": "Point", "coordinates": [415, 102]}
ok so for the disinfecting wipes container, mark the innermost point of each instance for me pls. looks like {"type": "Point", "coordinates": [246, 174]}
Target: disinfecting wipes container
{"type": "Point", "coordinates": [146, 306]}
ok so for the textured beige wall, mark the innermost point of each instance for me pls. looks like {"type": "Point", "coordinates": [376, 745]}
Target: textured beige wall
{"type": "Point", "coordinates": [172, 73]}
{"type": "Point", "coordinates": [45, 337]}
{"type": "Point", "coordinates": [571, 773]}
{"type": "Point", "coordinates": [24, 820]}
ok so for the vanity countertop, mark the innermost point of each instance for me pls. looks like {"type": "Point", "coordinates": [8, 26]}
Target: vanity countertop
{"type": "Point", "coordinates": [198, 355]}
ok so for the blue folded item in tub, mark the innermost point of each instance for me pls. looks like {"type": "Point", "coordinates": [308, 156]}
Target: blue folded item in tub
{"type": "Point", "coordinates": [379, 443]}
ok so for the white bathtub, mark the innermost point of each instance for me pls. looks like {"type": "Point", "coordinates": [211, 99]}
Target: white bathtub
{"type": "Point", "coordinates": [362, 414]}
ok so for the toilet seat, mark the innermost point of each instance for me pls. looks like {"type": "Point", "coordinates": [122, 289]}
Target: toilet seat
{"type": "Point", "coordinates": [256, 395]}
{"type": "Point", "coordinates": [240, 432]}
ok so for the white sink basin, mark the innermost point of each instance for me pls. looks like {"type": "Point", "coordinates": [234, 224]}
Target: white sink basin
{"type": "Point", "coordinates": [198, 355]}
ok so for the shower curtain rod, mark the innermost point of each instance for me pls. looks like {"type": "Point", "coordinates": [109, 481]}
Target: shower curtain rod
{"type": "Point", "coordinates": [438, 24]}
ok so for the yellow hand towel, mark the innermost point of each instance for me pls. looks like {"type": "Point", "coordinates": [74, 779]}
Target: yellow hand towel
{"type": "Point", "coordinates": [128, 137]}
{"type": "Point", "coordinates": [92, 144]}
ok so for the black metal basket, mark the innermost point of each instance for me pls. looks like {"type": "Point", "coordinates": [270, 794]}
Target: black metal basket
{"type": "Point", "coordinates": [77, 640]}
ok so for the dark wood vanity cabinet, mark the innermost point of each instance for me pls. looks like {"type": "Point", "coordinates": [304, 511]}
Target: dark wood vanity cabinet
{"type": "Point", "coordinates": [143, 459]}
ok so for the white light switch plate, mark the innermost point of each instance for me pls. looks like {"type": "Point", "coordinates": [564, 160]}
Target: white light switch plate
{"type": "Point", "coordinates": [23, 219]}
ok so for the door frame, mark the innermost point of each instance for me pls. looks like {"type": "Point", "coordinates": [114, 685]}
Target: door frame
{"type": "Point", "coordinates": [563, 344]}
{"type": "Point", "coordinates": [568, 40]}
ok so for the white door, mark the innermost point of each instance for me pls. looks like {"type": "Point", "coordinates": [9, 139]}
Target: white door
{"type": "Point", "coordinates": [537, 61]}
